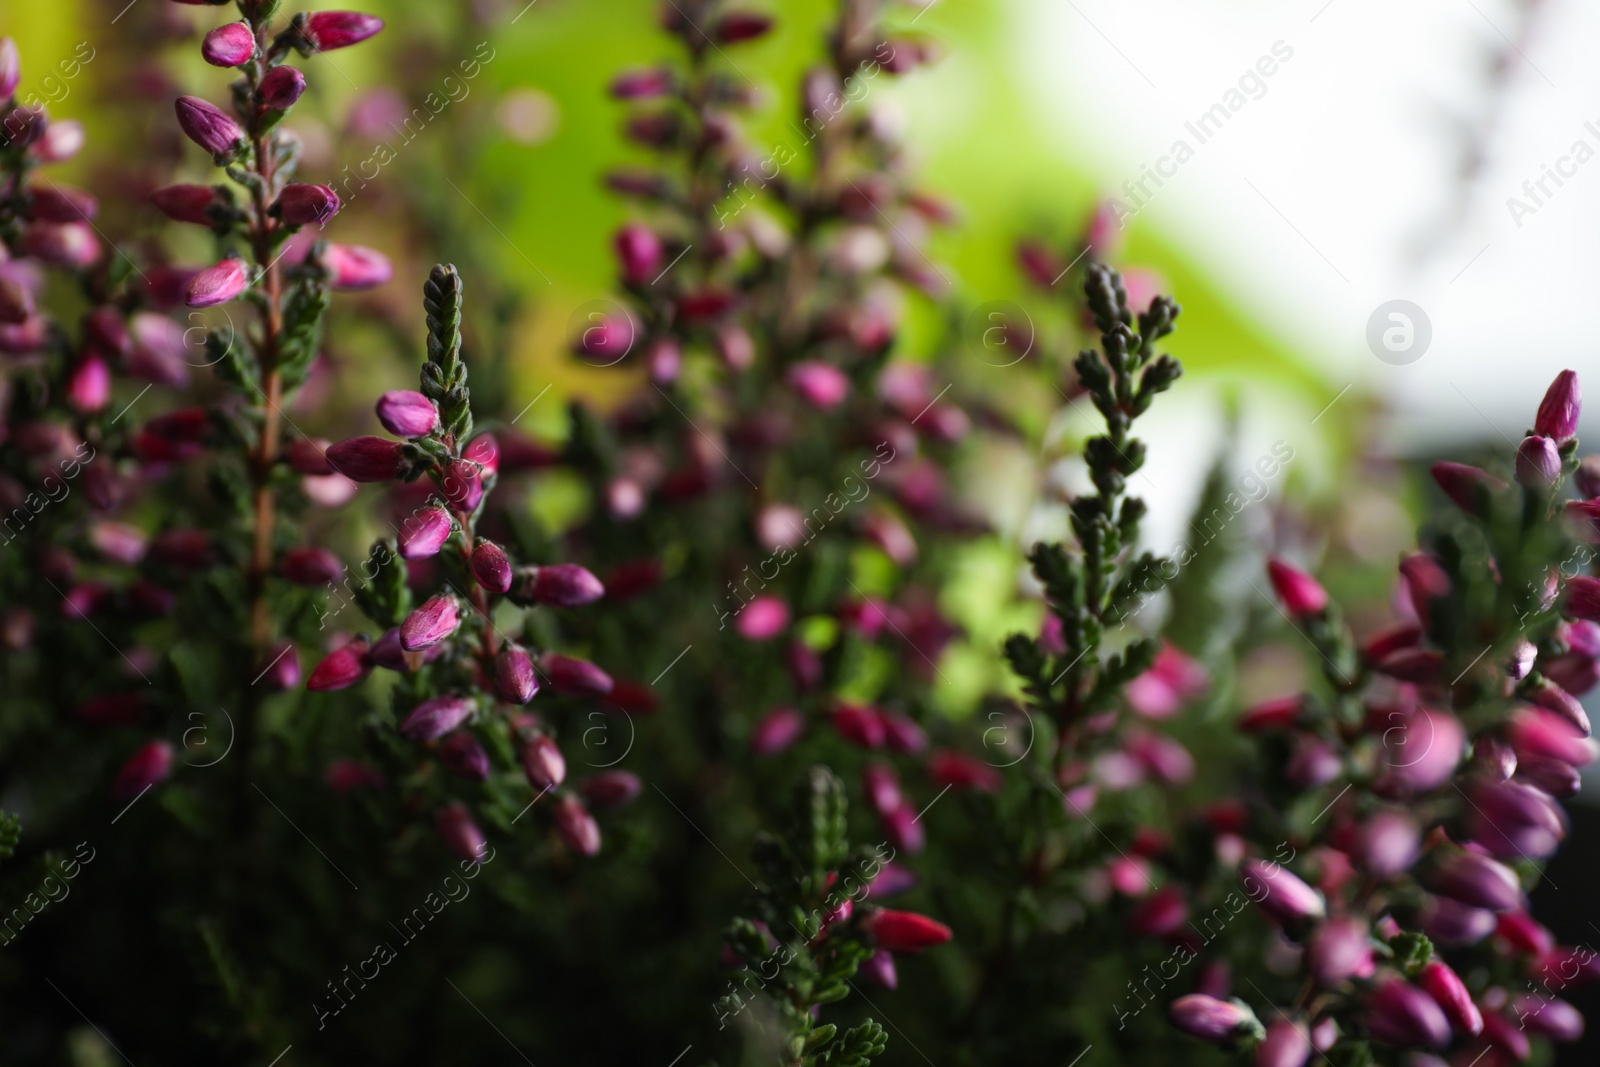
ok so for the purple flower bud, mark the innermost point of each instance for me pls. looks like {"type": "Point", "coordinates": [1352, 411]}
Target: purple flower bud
{"type": "Point", "coordinates": [217, 284]}
{"type": "Point", "coordinates": [10, 68]}
{"type": "Point", "coordinates": [341, 668]}
{"type": "Point", "coordinates": [1301, 594]}
{"type": "Point", "coordinates": [738, 26]}
{"type": "Point", "coordinates": [879, 969]}
{"type": "Point", "coordinates": [1422, 748]}
{"type": "Point", "coordinates": [611, 789]}
{"type": "Point", "coordinates": [1210, 1019]}
{"type": "Point", "coordinates": [208, 127]}
{"type": "Point", "coordinates": [436, 717]}
{"type": "Point", "coordinates": [423, 533]}
{"type": "Point", "coordinates": [59, 142]}
{"type": "Point", "coordinates": [387, 653]}
{"type": "Point", "coordinates": [1552, 776]}
{"type": "Point", "coordinates": [543, 763]}
{"type": "Point", "coordinates": [281, 670]}
{"type": "Point", "coordinates": [1161, 914]}
{"type": "Point", "coordinates": [327, 30]}
{"type": "Point", "coordinates": [1339, 949]}
{"type": "Point", "coordinates": [1521, 659]}
{"type": "Point", "coordinates": [1546, 1015]}
{"type": "Point", "coordinates": [229, 46]}
{"type": "Point", "coordinates": [459, 833]}
{"type": "Point", "coordinates": [431, 623]}
{"type": "Point", "coordinates": [311, 566]}
{"type": "Point", "coordinates": [762, 619]}
{"type": "Point", "coordinates": [89, 385]}
{"type": "Point", "coordinates": [1476, 881]}
{"type": "Point", "coordinates": [1512, 820]}
{"type": "Point", "coordinates": [367, 459]}
{"type": "Point", "coordinates": [1387, 844]}
{"type": "Point", "coordinates": [605, 341]}
{"type": "Point", "coordinates": [1538, 462]}
{"type": "Point", "coordinates": [1287, 1044]}
{"type": "Point", "coordinates": [1509, 1038]}
{"type": "Point", "coordinates": [462, 484]}
{"type": "Point", "coordinates": [822, 385]}
{"type": "Point", "coordinates": [565, 585]}
{"type": "Point", "coordinates": [281, 87]}
{"type": "Point", "coordinates": [1558, 411]}
{"type": "Point", "coordinates": [1587, 477]}
{"type": "Point", "coordinates": [641, 84]}
{"type": "Point", "coordinates": [777, 730]}
{"type": "Point", "coordinates": [490, 566]}
{"type": "Point", "coordinates": [463, 756]}
{"type": "Point", "coordinates": [1283, 896]}
{"type": "Point", "coordinates": [577, 827]}
{"type": "Point", "coordinates": [1449, 922]}
{"type": "Point", "coordinates": [186, 203]}
{"type": "Point", "coordinates": [61, 203]}
{"type": "Point", "coordinates": [406, 413]}
{"type": "Point", "coordinates": [1469, 488]}
{"type": "Point", "coordinates": [72, 245]}
{"type": "Point", "coordinates": [1450, 993]}
{"type": "Point", "coordinates": [148, 766]}
{"type": "Point", "coordinates": [1313, 762]}
{"type": "Point", "coordinates": [1583, 598]}
{"type": "Point", "coordinates": [639, 253]}
{"type": "Point", "coordinates": [514, 677]}
{"type": "Point", "coordinates": [1398, 1013]}
{"type": "Point", "coordinates": [301, 204]}
{"type": "Point", "coordinates": [354, 267]}
{"type": "Point", "coordinates": [575, 677]}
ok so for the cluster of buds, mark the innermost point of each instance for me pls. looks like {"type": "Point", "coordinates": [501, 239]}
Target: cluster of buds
{"type": "Point", "coordinates": [459, 664]}
{"type": "Point", "coordinates": [1438, 764]}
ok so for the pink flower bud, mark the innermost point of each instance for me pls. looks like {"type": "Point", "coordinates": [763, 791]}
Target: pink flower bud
{"type": "Point", "coordinates": [490, 566]}
{"type": "Point", "coordinates": [1587, 477]}
{"type": "Point", "coordinates": [1548, 1016]}
{"type": "Point", "coordinates": [206, 125]}
{"type": "Point", "coordinates": [1449, 922]}
{"type": "Point", "coordinates": [639, 253]}
{"type": "Point", "coordinates": [1398, 1013]}
{"type": "Point", "coordinates": [762, 619]}
{"type": "Point", "coordinates": [738, 26]}
{"type": "Point", "coordinates": [61, 203]}
{"type": "Point", "coordinates": [327, 30]}
{"type": "Point", "coordinates": [1509, 1039]}
{"type": "Point", "coordinates": [1512, 820]}
{"type": "Point", "coordinates": [1340, 949]}
{"type": "Point", "coordinates": [463, 756]}
{"type": "Point", "coordinates": [217, 284]}
{"type": "Point", "coordinates": [1558, 411]}
{"type": "Point", "coordinates": [89, 385]}
{"type": "Point", "coordinates": [459, 833]}
{"type": "Point", "coordinates": [577, 828]}
{"type": "Point", "coordinates": [1422, 748]}
{"type": "Point", "coordinates": [961, 771]}
{"type": "Point", "coordinates": [858, 725]}
{"type": "Point", "coordinates": [905, 931]}
{"type": "Point", "coordinates": [147, 767]}
{"type": "Point", "coordinates": [1301, 594]}
{"type": "Point", "coordinates": [566, 585]}
{"type": "Point", "coordinates": [311, 566]}
{"type": "Point", "coordinates": [1282, 895]}
{"type": "Point", "coordinates": [1583, 598]}
{"type": "Point", "coordinates": [903, 830]}
{"type": "Point", "coordinates": [229, 46]}
{"type": "Point", "coordinates": [186, 203]}
{"type": "Point", "coordinates": [1523, 935]}
{"type": "Point", "coordinates": [462, 485]}
{"type": "Point", "coordinates": [1287, 1044]}
{"type": "Point", "coordinates": [776, 731]}
{"type": "Point", "coordinates": [302, 205]}
{"type": "Point", "coordinates": [882, 787]}
{"type": "Point", "coordinates": [367, 459]}
{"type": "Point", "coordinates": [406, 413]}
{"type": "Point", "coordinates": [281, 87]}
{"type": "Point", "coordinates": [1551, 776]}
{"type": "Point", "coordinates": [1312, 762]}
{"type": "Point", "coordinates": [611, 789]}
{"type": "Point", "coordinates": [1476, 881]}
{"type": "Point", "coordinates": [341, 668]}
{"type": "Point", "coordinates": [605, 341]}
{"type": "Point", "coordinates": [354, 267]}
{"type": "Point", "coordinates": [70, 245]}
{"type": "Point", "coordinates": [1469, 488]}
{"type": "Point", "coordinates": [1450, 993]}
{"type": "Point", "coordinates": [1210, 1019]}
{"type": "Point", "coordinates": [10, 68]}
{"type": "Point", "coordinates": [901, 734]}
{"type": "Point", "coordinates": [429, 624]}
{"type": "Point", "coordinates": [575, 677]}
{"type": "Point", "coordinates": [1387, 844]}
{"type": "Point", "coordinates": [822, 385]}
{"type": "Point", "coordinates": [59, 142]}
{"type": "Point", "coordinates": [543, 763]}
{"type": "Point", "coordinates": [1538, 462]}
{"type": "Point", "coordinates": [281, 668]}
{"type": "Point", "coordinates": [436, 717]}
{"type": "Point", "coordinates": [879, 969]}
{"type": "Point", "coordinates": [424, 532]}
{"type": "Point", "coordinates": [641, 84]}
{"type": "Point", "coordinates": [1161, 914]}
{"type": "Point", "coordinates": [1552, 697]}
{"type": "Point", "coordinates": [514, 677]}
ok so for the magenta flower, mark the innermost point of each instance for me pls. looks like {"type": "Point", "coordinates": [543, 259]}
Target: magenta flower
{"type": "Point", "coordinates": [459, 833]}
{"type": "Point", "coordinates": [424, 532]}
{"type": "Point", "coordinates": [490, 566]}
{"type": "Point", "coordinates": [762, 619]}
{"type": "Point", "coordinates": [1300, 593]}
{"type": "Point", "coordinates": [1476, 881]}
{"type": "Point", "coordinates": [776, 731]}
{"type": "Point", "coordinates": [1281, 894]}
{"type": "Point", "coordinates": [1558, 411]}
{"type": "Point", "coordinates": [355, 268]}
{"type": "Point", "coordinates": [1549, 1016]}
{"type": "Point", "coordinates": [1387, 844]}
{"type": "Point", "coordinates": [543, 763]}
{"type": "Point", "coordinates": [1468, 487]}
{"type": "Point", "coordinates": [1398, 1013]}
{"type": "Point", "coordinates": [1422, 748]}
{"type": "Point", "coordinates": [859, 725]}
{"type": "Point", "coordinates": [229, 46]}
{"type": "Point", "coordinates": [611, 789]}
{"type": "Point", "coordinates": [89, 385]}
{"type": "Point", "coordinates": [311, 566]}
{"type": "Point", "coordinates": [186, 203]}
{"type": "Point", "coordinates": [575, 677]}
{"type": "Point", "coordinates": [738, 26]}
{"type": "Point", "coordinates": [1583, 598]}
{"type": "Point", "coordinates": [429, 624]}
{"type": "Point", "coordinates": [822, 385]}
{"type": "Point", "coordinates": [1160, 914]}
{"type": "Point", "coordinates": [1172, 680]}
{"type": "Point", "coordinates": [905, 931]}
{"type": "Point", "coordinates": [576, 827]}
{"type": "Point", "coordinates": [367, 459]}
{"type": "Point", "coordinates": [463, 756]}
{"type": "Point", "coordinates": [514, 677]}
{"type": "Point", "coordinates": [565, 585]}
{"type": "Point", "coordinates": [639, 252]}
{"type": "Point", "coordinates": [281, 87]}
{"type": "Point", "coordinates": [341, 668]}
{"type": "Point", "coordinates": [961, 771]}
{"type": "Point", "coordinates": [1450, 993]}
{"type": "Point", "coordinates": [72, 245]}
{"type": "Point", "coordinates": [1538, 462]}
{"type": "Point", "coordinates": [1287, 1044]}
{"type": "Point", "coordinates": [641, 84]}
{"type": "Point", "coordinates": [217, 284]}
{"type": "Point", "coordinates": [879, 969]}
{"type": "Point", "coordinates": [281, 671]}
{"type": "Point", "coordinates": [407, 413]}
{"type": "Point", "coordinates": [1211, 1019]}
{"type": "Point", "coordinates": [436, 717]}
{"type": "Point", "coordinates": [206, 125]}
{"type": "Point", "coordinates": [327, 30]}
{"type": "Point", "coordinates": [462, 485]}
{"type": "Point", "coordinates": [301, 205]}
{"type": "Point", "coordinates": [148, 766]}
{"type": "Point", "coordinates": [10, 68]}
{"type": "Point", "coordinates": [1339, 949]}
